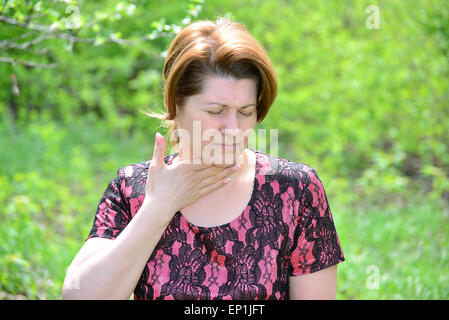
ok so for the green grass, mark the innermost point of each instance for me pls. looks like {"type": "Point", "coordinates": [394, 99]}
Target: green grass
{"type": "Point", "coordinates": [54, 176]}
{"type": "Point", "coordinates": [406, 246]}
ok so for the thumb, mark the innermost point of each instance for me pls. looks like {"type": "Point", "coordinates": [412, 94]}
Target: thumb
{"type": "Point", "coordinates": [159, 150]}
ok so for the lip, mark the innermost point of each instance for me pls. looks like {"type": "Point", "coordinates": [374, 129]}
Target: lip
{"type": "Point", "coordinates": [226, 145]}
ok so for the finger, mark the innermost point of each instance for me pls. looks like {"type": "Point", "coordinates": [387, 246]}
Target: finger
{"type": "Point", "coordinates": [204, 181]}
{"type": "Point", "coordinates": [202, 166]}
{"type": "Point", "coordinates": [212, 187]}
{"type": "Point", "coordinates": [219, 172]}
{"type": "Point", "coordinates": [159, 150]}
{"type": "Point", "coordinates": [197, 166]}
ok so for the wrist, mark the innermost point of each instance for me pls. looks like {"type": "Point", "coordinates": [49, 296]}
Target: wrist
{"type": "Point", "coordinates": [159, 210]}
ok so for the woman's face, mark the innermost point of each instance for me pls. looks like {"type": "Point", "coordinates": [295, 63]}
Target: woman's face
{"type": "Point", "coordinates": [215, 125]}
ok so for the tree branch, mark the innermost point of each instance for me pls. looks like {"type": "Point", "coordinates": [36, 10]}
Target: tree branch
{"type": "Point", "coordinates": [67, 36]}
{"type": "Point", "coordinates": [49, 32]}
{"type": "Point", "coordinates": [33, 26]}
{"type": "Point", "coordinates": [30, 13]}
{"type": "Point", "coordinates": [6, 44]}
{"type": "Point", "coordinates": [5, 2]}
{"type": "Point", "coordinates": [27, 63]}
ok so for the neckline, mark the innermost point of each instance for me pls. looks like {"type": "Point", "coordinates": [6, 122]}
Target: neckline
{"type": "Point", "coordinates": [199, 228]}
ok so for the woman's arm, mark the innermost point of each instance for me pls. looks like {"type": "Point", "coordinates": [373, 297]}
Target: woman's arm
{"type": "Point", "coordinates": [110, 269]}
{"type": "Point", "coordinates": [319, 285]}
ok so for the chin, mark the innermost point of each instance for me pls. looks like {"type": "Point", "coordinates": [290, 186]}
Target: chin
{"type": "Point", "coordinates": [222, 157]}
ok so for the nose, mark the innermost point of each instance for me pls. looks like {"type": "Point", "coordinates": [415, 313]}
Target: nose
{"type": "Point", "coordinates": [230, 126]}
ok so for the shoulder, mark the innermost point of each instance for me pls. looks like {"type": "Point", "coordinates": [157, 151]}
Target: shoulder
{"type": "Point", "coordinates": [131, 179]}
{"type": "Point", "coordinates": [138, 169]}
{"type": "Point", "coordinates": [300, 181]}
{"type": "Point", "coordinates": [284, 170]}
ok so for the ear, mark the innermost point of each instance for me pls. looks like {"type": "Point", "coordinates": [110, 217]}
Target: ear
{"type": "Point", "coordinates": [177, 111]}
{"type": "Point", "coordinates": [179, 102]}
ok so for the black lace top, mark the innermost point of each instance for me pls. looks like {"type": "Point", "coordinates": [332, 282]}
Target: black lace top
{"type": "Point", "coordinates": [286, 230]}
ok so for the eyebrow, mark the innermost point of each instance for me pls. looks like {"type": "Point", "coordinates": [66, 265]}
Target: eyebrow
{"type": "Point", "coordinates": [225, 105]}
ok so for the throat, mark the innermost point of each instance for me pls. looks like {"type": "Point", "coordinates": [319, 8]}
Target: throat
{"type": "Point", "coordinates": [227, 203]}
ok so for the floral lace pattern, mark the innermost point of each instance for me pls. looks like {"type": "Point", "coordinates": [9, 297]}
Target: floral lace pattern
{"type": "Point", "coordinates": [286, 230]}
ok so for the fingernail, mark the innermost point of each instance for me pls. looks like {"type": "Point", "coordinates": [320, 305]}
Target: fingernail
{"type": "Point", "coordinates": [226, 180]}
{"type": "Point", "coordinates": [236, 167]}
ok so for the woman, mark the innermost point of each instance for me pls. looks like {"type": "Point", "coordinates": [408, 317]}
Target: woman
{"type": "Point", "coordinates": [217, 220]}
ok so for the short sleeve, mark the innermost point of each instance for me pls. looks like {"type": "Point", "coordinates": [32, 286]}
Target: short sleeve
{"type": "Point", "coordinates": [112, 214]}
{"type": "Point", "coordinates": [315, 243]}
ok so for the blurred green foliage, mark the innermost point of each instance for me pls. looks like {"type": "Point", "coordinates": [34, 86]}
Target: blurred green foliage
{"type": "Point", "coordinates": [367, 108]}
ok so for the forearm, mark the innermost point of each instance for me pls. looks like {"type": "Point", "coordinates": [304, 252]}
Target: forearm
{"type": "Point", "coordinates": [114, 271]}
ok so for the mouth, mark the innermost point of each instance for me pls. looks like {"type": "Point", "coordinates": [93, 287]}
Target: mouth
{"type": "Point", "coordinates": [226, 146]}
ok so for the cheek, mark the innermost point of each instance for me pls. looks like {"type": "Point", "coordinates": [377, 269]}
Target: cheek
{"type": "Point", "coordinates": [248, 129]}
{"type": "Point", "coordinates": [249, 123]}
{"type": "Point", "coordinates": [192, 129]}
{"type": "Point", "coordinates": [209, 132]}
{"type": "Point", "coordinates": [209, 127]}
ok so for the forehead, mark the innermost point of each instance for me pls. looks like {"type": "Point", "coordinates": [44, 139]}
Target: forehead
{"type": "Point", "coordinates": [229, 89]}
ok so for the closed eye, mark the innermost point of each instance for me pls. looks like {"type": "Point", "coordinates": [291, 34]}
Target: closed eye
{"type": "Point", "coordinates": [211, 112]}
{"type": "Point", "coordinates": [243, 113]}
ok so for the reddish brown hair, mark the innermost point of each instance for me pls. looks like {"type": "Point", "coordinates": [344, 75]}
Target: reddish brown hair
{"type": "Point", "coordinates": [224, 48]}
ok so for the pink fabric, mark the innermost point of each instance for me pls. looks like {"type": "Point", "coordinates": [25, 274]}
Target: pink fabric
{"type": "Point", "coordinates": [286, 230]}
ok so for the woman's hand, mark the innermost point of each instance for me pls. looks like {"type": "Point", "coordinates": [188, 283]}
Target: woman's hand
{"type": "Point", "coordinates": [177, 185]}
